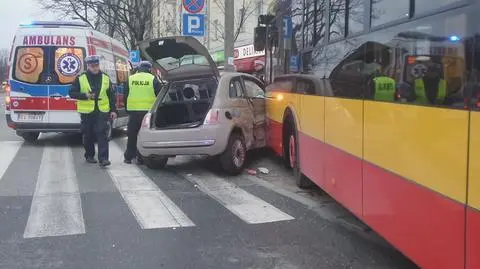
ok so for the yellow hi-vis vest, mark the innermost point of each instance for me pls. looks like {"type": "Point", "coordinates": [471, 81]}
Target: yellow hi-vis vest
{"type": "Point", "coordinates": [141, 95]}
{"type": "Point", "coordinates": [87, 106]}
{"type": "Point", "coordinates": [421, 96]}
{"type": "Point", "coordinates": [384, 88]}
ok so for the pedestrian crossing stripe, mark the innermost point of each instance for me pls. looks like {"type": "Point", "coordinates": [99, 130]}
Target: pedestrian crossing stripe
{"type": "Point", "coordinates": [56, 205]}
{"type": "Point", "coordinates": [9, 151]}
{"type": "Point", "coordinates": [150, 206]}
{"type": "Point", "coordinates": [246, 206]}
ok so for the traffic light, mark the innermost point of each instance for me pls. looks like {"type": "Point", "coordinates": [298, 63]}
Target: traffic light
{"type": "Point", "coordinates": [265, 19]}
{"type": "Point", "coordinates": [259, 38]}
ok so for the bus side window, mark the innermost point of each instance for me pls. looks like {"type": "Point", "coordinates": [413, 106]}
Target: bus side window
{"type": "Point", "coordinates": [326, 88]}
{"type": "Point", "coordinates": [284, 84]}
{"type": "Point", "coordinates": [305, 86]}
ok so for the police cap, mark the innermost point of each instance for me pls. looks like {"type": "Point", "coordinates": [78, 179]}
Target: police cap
{"type": "Point", "coordinates": [92, 59]}
{"type": "Point", "coordinates": [145, 65]}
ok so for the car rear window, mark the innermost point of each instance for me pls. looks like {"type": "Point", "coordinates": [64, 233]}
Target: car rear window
{"type": "Point", "coordinates": [202, 89]}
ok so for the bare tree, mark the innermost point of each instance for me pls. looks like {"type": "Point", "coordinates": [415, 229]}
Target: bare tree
{"type": "Point", "coordinates": [71, 9]}
{"type": "Point", "coordinates": [131, 20]}
{"type": "Point", "coordinates": [3, 64]}
{"type": "Point", "coordinates": [247, 8]}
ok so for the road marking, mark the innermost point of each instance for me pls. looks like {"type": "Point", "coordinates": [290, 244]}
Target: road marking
{"type": "Point", "coordinates": [9, 151]}
{"type": "Point", "coordinates": [150, 206]}
{"type": "Point", "coordinates": [56, 206]}
{"type": "Point", "coordinates": [246, 206]}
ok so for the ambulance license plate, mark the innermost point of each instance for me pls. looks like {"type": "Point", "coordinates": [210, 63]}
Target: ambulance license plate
{"type": "Point", "coordinates": [30, 117]}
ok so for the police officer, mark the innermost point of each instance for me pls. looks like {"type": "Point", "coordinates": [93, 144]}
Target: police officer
{"type": "Point", "coordinates": [96, 105]}
{"type": "Point", "coordinates": [431, 87]}
{"type": "Point", "coordinates": [140, 93]}
{"type": "Point", "coordinates": [384, 88]}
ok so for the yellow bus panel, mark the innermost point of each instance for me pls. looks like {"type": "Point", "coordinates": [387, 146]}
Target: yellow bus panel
{"type": "Point", "coordinates": [312, 116]}
{"type": "Point", "coordinates": [344, 124]}
{"type": "Point", "coordinates": [474, 165]}
{"type": "Point", "coordinates": [424, 144]}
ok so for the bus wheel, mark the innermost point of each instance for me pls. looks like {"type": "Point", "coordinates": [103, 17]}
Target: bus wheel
{"type": "Point", "coordinates": [292, 151]}
{"type": "Point", "coordinates": [30, 136]}
{"type": "Point", "coordinates": [294, 158]}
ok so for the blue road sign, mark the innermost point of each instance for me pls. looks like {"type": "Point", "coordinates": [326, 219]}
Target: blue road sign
{"type": "Point", "coordinates": [294, 63]}
{"type": "Point", "coordinates": [135, 56]}
{"type": "Point", "coordinates": [193, 6]}
{"type": "Point", "coordinates": [193, 25]}
{"type": "Point", "coordinates": [287, 27]}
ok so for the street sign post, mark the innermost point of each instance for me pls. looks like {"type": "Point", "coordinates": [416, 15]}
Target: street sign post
{"type": "Point", "coordinates": [134, 56]}
{"type": "Point", "coordinates": [287, 27]}
{"type": "Point", "coordinates": [294, 63]}
{"type": "Point", "coordinates": [193, 24]}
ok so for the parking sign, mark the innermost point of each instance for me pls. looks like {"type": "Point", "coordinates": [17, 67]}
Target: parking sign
{"type": "Point", "coordinates": [193, 24]}
{"type": "Point", "coordinates": [135, 56]}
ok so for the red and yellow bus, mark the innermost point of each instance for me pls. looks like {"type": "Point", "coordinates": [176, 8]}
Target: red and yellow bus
{"type": "Point", "coordinates": [407, 165]}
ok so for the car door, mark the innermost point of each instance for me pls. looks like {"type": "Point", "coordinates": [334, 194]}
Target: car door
{"type": "Point", "coordinates": [241, 109]}
{"type": "Point", "coordinates": [255, 95]}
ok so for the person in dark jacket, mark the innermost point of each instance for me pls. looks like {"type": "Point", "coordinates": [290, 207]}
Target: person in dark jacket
{"type": "Point", "coordinates": [139, 96]}
{"type": "Point", "coordinates": [96, 105]}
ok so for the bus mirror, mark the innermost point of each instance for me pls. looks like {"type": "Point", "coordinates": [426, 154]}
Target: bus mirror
{"type": "Point", "coordinates": [259, 38]}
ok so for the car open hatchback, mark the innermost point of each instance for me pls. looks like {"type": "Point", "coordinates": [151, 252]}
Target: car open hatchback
{"type": "Point", "coordinates": [199, 111]}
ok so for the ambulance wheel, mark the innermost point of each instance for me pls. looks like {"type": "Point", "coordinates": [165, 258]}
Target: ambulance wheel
{"type": "Point", "coordinates": [30, 136]}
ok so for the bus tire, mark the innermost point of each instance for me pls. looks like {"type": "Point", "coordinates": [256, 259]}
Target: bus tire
{"type": "Point", "coordinates": [30, 136]}
{"type": "Point", "coordinates": [288, 130]}
{"type": "Point", "coordinates": [293, 158]}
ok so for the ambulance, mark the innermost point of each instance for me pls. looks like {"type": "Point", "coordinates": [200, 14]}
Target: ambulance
{"type": "Point", "coordinates": [45, 58]}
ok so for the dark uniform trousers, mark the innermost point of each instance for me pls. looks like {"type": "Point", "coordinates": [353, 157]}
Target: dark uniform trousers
{"type": "Point", "coordinates": [95, 127]}
{"type": "Point", "coordinates": [134, 124]}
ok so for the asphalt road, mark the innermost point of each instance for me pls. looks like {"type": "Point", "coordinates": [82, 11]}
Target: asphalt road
{"type": "Point", "coordinates": [56, 211]}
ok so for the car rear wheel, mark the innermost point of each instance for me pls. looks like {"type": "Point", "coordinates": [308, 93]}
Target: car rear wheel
{"type": "Point", "coordinates": [155, 163]}
{"type": "Point", "coordinates": [30, 136]}
{"type": "Point", "coordinates": [233, 159]}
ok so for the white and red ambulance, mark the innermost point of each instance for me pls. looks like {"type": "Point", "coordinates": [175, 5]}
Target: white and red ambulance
{"type": "Point", "coordinates": [45, 59]}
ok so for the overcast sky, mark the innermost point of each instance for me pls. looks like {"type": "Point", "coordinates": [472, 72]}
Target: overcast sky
{"type": "Point", "coordinates": [14, 12]}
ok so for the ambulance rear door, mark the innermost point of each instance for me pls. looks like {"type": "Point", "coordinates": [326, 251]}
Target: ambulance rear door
{"type": "Point", "coordinates": [66, 63]}
{"type": "Point", "coordinates": [30, 80]}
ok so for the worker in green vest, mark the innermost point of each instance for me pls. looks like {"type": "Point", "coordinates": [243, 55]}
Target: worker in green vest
{"type": "Point", "coordinates": [431, 87]}
{"type": "Point", "coordinates": [140, 93]}
{"type": "Point", "coordinates": [96, 105]}
{"type": "Point", "coordinates": [384, 88]}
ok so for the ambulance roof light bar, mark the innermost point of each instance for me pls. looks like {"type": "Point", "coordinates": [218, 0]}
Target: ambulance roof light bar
{"type": "Point", "coordinates": [54, 24]}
